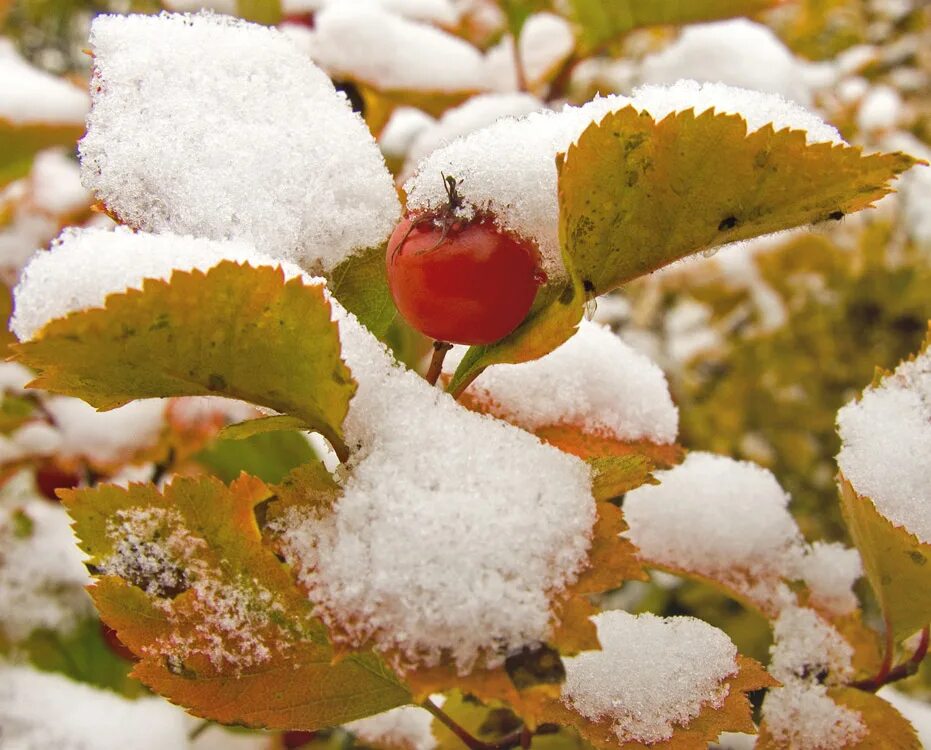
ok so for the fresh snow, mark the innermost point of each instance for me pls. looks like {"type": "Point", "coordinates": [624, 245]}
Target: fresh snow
{"type": "Point", "coordinates": [223, 148]}
{"type": "Point", "coordinates": [402, 728]}
{"type": "Point", "coordinates": [652, 674]}
{"type": "Point", "coordinates": [29, 95]}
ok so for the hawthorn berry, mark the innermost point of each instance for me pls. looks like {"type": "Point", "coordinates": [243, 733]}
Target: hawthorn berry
{"type": "Point", "coordinates": [50, 477]}
{"type": "Point", "coordinates": [462, 282]}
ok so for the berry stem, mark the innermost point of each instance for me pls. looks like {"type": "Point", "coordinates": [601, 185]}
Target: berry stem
{"type": "Point", "coordinates": [515, 739]}
{"type": "Point", "coordinates": [436, 363]}
{"type": "Point", "coordinates": [460, 389]}
{"type": "Point", "coordinates": [888, 674]}
{"type": "Point", "coordinates": [519, 71]}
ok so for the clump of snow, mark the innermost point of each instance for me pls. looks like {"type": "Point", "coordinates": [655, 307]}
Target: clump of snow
{"type": "Point", "coordinates": [454, 531]}
{"type": "Point", "coordinates": [190, 6]}
{"type": "Point", "coordinates": [365, 42]}
{"type": "Point", "coordinates": [478, 112]}
{"type": "Point", "coordinates": [223, 148]}
{"type": "Point", "coordinates": [706, 52]}
{"type": "Point", "coordinates": [886, 441]}
{"type": "Point", "coordinates": [43, 709]}
{"type": "Point", "coordinates": [807, 647]}
{"type": "Point", "coordinates": [402, 728]}
{"type": "Point", "coordinates": [881, 109]}
{"type": "Point", "coordinates": [722, 518]}
{"type": "Point", "coordinates": [33, 439]}
{"type": "Point", "coordinates": [802, 716]}
{"type": "Point", "coordinates": [55, 182]}
{"type": "Point", "coordinates": [42, 574]}
{"type": "Point", "coordinates": [508, 169]}
{"type": "Point", "coordinates": [546, 40]}
{"type": "Point", "coordinates": [830, 569]}
{"type": "Point", "coordinates": [85, 265]}
{"type": "Point", "coordinates": [30, 95]}
{"type": "Point", "coordinates": [594, 381]}
{"type": "Point", "coordinates": [104, 436]}
{"type": "Point", "coordinates": [403, 128]}
{"type": "Point", "coordinates": [443, 12]}
{"type": "Point", "coordinates": [651, 675]}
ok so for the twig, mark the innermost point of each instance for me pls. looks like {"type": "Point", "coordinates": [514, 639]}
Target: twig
{"type": "Point", "coordinates": [888, 674]}
{"type": "Point", "coordinates": [512, 740]}
{"type": "Point", "coordinates": [436, 364]}
{"type": "Point", "coordinates": [519, 71]}
{"type": "Point", "coordinates": [199, 729]}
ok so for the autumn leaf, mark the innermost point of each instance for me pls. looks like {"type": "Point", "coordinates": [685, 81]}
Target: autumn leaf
{"type": "Point", "coordinates": [895, 561]}
{"type": "Point", "coordinates": [636, 194]}
{"type": "Point", "coordinates": [886, 728]}
{"type": "Point", "coordinates": [233, 331]}
{"type": "Point", "coordinates": [184, 578]}
{"type": "Point", "coordinates": [270, 456]}
{"type": "Point", "coordinates": [20, 142]}
{"type": "Point", "coordinates": [601, 21]}
{"type": "Point", "coordinates": [266, 12]}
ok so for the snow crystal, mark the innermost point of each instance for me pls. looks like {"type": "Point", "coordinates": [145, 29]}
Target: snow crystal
{"type": "Point", "coordinates": [508, 169]}
{"type": "Point", "coordinates": [454, 531]}
{"type": "Point", "coordinates": [105, 436]}
{"type": "Point", "coordinates": [886, 441]}
{"type": "Point", "coordinates": [403, 728]}
{"type": "Point", "coordinates": [363, 41]}
{"type": "Point", "coordinates": [30, 95]}
{"type": "Point", "coordinates": [719, 517]}
{"type": "Point", "coordinates": [84, 717]}
{"type": "Point", "coordinates": [830, 570]}
{"type": "Point", "coordinates": [801, 716]}
{"type": "Point", "coordinates": [195, 128]}
{"type": "Point", "coordinates": [652, 674]}
{"type": "Point", "coordinates": [807, 647]}
{"type": "Point", "coordinates": [594, 381]}
{"type": "Point", "coordinates": [706, 52]}
{"type": "Point", "coordinates": [85, 265]}
{"type": "Point", "coordinates": [42, 574]}
{"type": "Point", "coordinates": [478, 112]}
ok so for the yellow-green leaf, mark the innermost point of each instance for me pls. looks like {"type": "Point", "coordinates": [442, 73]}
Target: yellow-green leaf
{"type": "Point", "coordinates": [234, 331]}
{"type": "Point", "coordinates": [897, 564]}
{"type": "Point", "coordinates": [360, 283]}
{"type": "Point", "coordinates": [267, 12]}
{"type": "Point", "coordinates": [636, 194]}
{"type": "Point", "coordinates": [219, 625]}
{"type": "Point", "coordinates": [19, 143]}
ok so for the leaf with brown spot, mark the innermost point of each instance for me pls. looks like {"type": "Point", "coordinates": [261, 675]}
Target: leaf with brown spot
{"type": "Point", "coordinates": [220, 627]}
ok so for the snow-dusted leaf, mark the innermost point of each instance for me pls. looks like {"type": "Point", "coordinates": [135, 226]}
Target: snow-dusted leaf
{"type": "Point", "coordinates": [601, 21]}
{"type": "Point", "coordinates": [234, 331]}
{"type": "Point", "coordinates": [184, 578]}
{"type": "Point", "coordinates": [896, 562]}
{"type": "Point", "coordinates": [886, 728]}
{"type": "Point", "coordinates": [636, 194]}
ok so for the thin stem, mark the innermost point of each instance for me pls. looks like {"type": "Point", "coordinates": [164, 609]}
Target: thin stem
{"type": "Point", "coordinates": [436, 364]}
{"type": "Point", "coordinates": [199, 729]}
{"type": "Point", "coordinates": [519, 71]}
{"type": "Point", "coordinates": [515, 739]}
{"type": "Point", "coordinates": [457, 392]}
{"type": "Point", "coordinates": [889, 674]}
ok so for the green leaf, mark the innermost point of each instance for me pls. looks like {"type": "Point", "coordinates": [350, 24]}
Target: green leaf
{"type": "Point", "coordinates": [233, 331]}
{"type": "Point", "coordinates": [274, 423]}
{"type": "Point", "coordinates": [266, 455]}
{"type": "Point", "coordinates": [636, 195]}
{"type": "Point", "coordinates": [897, 565]}
{"type": "Point", "coordinates": [19, 143]}
{"type": "Point", "coordinates": [220, 627]}
{"type": "Point", "coordinates": [14, 412]}
{"type": "Point", "coordinates": [360, 284]}
{"type": "Point", "coordinates": [266, 12]}
{"type": "Point", "coordinates": [601, 21]}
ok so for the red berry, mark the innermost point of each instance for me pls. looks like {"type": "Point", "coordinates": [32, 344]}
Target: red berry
{"type": "Point", "coordinates": [115, 644]}
{"type": "Point", "coordinates": [49, 477]}
{"type": "Point", "coordinates": [461, 283]}
{"type": "Point", "coordinates": [295, 739]}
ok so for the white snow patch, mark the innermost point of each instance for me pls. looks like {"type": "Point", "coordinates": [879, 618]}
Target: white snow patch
{"type": "Point", "coordinates": [29, 95]}
{"type": "Point", "coordinates": [402, 728]}
{"type": "Point", "coordinates": [808, 648]}
{"type": "Point", "coordinates": [801, 716]}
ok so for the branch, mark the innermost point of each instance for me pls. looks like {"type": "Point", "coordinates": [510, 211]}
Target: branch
{"type": "Point", "coordinates": [888, 674]}
{"type": "Point", "coordinates": [515, 739]}
{"type": "Point", "coordinates": [436, 364]}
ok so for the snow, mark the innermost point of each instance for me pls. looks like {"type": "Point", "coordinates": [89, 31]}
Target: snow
{"type": "Point", "coordinates": [706, 52]}
{"type": "Point", "coordinates": [105, 436]}
{"type": "Point", "coordinates": [593, 381]}
{"type": "Point", "coordinates": [728, 520]}
{"type": "Point", "coordinates": [807, 647]}
{"type": "Point", "coordinates": [442, 12]}
{"type": "Point", "coordinates": [189, 6]}
{"type": "Point", "coordinates": [85, 718]}
{"type": "Point", "coordinates": [508, 169]}
{"type": "Point", "coordinates": [42, 574]}
{"type": "Point", "coordinates": [671, 668]}
{"type": "Point", "coordinates": [223, 148]}
{"type": "Point", "coordinates": [881, 109]}
{"type": "Point", "coordinates": [396, 559]}
{"type": "Point", "coordinates": [403, 728]}
{"type": "Point", "coordinates": [365, 42]}
{"type": "Point", "coordinates": [917, 711]}
{"type": "Point", "coordinates": [801, 716]}
{"type": "Point", "coordinates": [29, 95]}
{"type": "Point", "coordinates": [402, 129]}
{"type": "Point", "coordinates": [886, 441]}
{"type": "Point", "coordinates": [85, 265]}
{"type": "Point", "coordinates": [546, 40]}
{"type": "Point", "coordinates": [476, 113]}
{"type": "Point", "coordinates": [55, 181]}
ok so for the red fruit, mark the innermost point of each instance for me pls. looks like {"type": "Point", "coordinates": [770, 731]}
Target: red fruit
{"type": "Point", "coordinates": [115, 644]}
{"type": "Point", "coordinates": [461, 283]}
{"type": "Point", "coordinates": [50, 477]}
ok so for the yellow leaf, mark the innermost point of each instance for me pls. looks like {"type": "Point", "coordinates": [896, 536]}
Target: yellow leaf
{"type": "Point", "coordinates": [219, 626]}
{"type": "Point", "coordinates": [234, 331]}
{"type": "Point", "coordinates": [895, 561]}
{"type": "Point", "coordinates": [19, 143]}
{"type": "Point", "coordinates": [636, 194]}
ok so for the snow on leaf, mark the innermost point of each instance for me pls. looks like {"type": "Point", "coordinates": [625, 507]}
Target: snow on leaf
{"type": "Point", "coordinates": [235, 331]}
{"type": "Point", "coordinates": [658, 683]}
{"type": "Point", "coordinates": [886, 728]}
{"type": "Point", "coordinates": [184, 578]}
{"type": "Point", "coordinates": [20, 142]}
{"type": "Point", "coordinates": [895, 561]}
{"type": "Point", "coordinates": [637, 194]}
